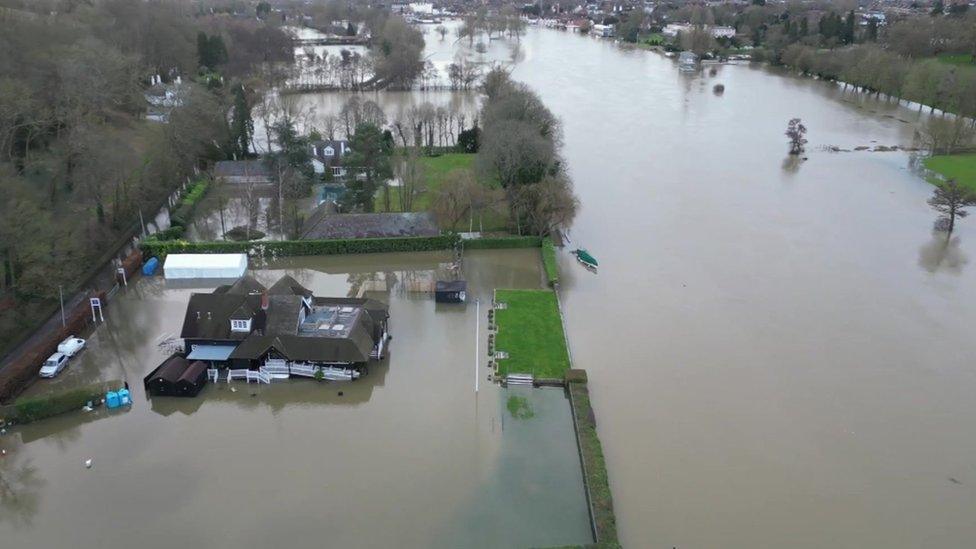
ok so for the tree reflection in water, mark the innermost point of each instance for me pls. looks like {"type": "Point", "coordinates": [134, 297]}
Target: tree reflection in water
{"type": "Point", "coordinates": [942, 253]}
{"type": "Point", "coordinates": [19, 490]}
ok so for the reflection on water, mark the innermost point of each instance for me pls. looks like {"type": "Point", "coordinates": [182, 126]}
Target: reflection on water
{"type": "Point", "coordinates": [20, 485]}
{"type": "Point", "coordinates": [792, 163]}
{"type": "Point", "coordinates": [942, 254]}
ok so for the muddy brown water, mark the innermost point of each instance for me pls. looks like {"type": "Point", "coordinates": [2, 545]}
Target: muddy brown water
{"type": "Point", "coordinates": [780, 351]}
{"type": "Point", "coordinates": [409, 456]}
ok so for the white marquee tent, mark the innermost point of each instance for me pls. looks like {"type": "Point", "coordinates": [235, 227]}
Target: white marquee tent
{"type": "Point", "coordinates": [182, 266]}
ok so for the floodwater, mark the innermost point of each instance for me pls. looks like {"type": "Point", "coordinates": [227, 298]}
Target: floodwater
{"type": "Point", "coordinates": [780, 354]}
{"type": "Point", "coordinates": [780, 350]}
{"type": "Point", "coordinates": [409, 456]}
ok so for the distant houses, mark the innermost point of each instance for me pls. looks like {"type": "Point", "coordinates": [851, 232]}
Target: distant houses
{"type": "Point", "coordinates": [329, 155]}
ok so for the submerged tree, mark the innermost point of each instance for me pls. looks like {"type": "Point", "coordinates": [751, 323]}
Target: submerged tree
{"type": "Point", "coordinates": [796, 131]}
{"type": "Point", "coordinates": [950, 200]}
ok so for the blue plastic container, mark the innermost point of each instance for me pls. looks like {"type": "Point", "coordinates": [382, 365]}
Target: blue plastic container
{"type": "Point", "coordinates": [149, 268]}
{"type": "Point", "coordinates": [124, 398]}
{"type": "Point", "coordinates": [112, 399]}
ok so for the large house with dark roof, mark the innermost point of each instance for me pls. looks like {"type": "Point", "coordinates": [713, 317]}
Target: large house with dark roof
{"type": "Point", "coordinates": [243, 325]}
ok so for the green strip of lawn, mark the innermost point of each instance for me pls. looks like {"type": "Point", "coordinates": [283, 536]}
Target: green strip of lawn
{"type": "Point", "coordinates": [437, 171]}
{"type": "Point", "coordinates": [961, 167]}
{"type": "Point", "coordinates": [531, 332]}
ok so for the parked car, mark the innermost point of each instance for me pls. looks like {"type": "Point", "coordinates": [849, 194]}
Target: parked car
{"type": "Point", "coordinates": [54, 364]}
{"type": "Point", "coordinates": [71, 346]}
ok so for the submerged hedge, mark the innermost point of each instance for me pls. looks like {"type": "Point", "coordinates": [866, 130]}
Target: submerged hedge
{"type": "Point", "coordinates": [594, 466]}
{"type": "Point", "coordinates": [549, 262]}
{"type": "Point", "coordinates": [45, 406]}
{"type": "Point", "coordinates": [303, 247]}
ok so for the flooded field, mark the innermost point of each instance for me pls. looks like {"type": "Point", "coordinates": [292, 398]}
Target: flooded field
{"type": "Point", "coordinates": [409, 456]}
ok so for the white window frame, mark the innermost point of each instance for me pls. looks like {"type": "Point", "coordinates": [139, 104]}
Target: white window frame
{"type": "Point", "coordinates": [237, 325]}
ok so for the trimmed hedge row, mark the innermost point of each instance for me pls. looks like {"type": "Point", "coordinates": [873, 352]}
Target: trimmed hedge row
{"type": "Point", "coordinates": [549, 262]}
{"type": "Point", "coordinates": [303, 247]}
{"type": "Point", "coordinates": [35, 408]}
{"type": "Point", "coordinates": [181, 214]}
{"type": "Point", "coordinates": [499, 242]}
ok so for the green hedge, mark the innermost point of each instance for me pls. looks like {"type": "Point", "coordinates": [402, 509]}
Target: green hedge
{"type": "Point", "coordinates": [499, 242]}
{"type": "Point", "coordinates": [181, 214]}
{"type": "Point", "coordinates": [303, 247]}
{"type": "Point", "coordinates": [35, 408]}
{"type": "Point", "coordinates": [549, 262]}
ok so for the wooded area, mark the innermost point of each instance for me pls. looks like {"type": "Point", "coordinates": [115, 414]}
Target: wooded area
{"type": "Point", "coordinates": [79, 161]}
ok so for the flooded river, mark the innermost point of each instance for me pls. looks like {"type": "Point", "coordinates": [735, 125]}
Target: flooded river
{"type": "Point", "coordinates": [780, 351]}
{"type": "Point", "coordinates": [780, 354]}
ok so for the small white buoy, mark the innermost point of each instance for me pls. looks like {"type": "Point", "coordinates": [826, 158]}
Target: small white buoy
{"type": "Point", "coordinates": [88, 463]}
{"type": "Point", "coordinates": [3, 452]}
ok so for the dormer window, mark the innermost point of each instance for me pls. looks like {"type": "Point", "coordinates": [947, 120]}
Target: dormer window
{"type": "Point", "coordinates": [240, 325]}
{"type": "Point", "coordinates": [328, 151]}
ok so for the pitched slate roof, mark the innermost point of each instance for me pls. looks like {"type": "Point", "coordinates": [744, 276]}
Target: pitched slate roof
{"type": "Point", "coordinates": [323, 225]}
{"type": "Point", "coordinates": [240, 168]}
{"type": "Point", "coordinates": [287, 285]}
{"type": "Point", "coordinates": [277, 327]}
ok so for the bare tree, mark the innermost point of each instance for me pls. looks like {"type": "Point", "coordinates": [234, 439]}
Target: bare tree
{"type": "Point", "coordinates": [412, 176]}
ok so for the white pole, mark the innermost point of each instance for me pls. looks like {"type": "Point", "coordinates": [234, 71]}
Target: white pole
{"type": "Point", "coordinates": [61, 299]}
{"type": "Point", "coordinates": [477, 342]}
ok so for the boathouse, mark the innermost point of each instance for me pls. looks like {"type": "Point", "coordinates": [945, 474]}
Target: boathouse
{"type": "Point", "coordinates": [163, 380]}
{"type": "Point", "coordinates": [245, 325]}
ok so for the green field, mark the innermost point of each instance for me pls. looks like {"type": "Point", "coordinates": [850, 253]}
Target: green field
{"type": "Point", "coordinates": [961, 167]}
{"type": "Point", "coordinates": [963, 59]}
{"type": "Point", "coordinates": [437, 170]}
{"type": "Point", "coordinates": [531, 332]}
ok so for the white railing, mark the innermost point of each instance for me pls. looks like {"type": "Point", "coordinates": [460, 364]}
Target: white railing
{"type": "Point", "coordinates": [213, 374]}
{"type": "Point", "coordinates": [237, 374]}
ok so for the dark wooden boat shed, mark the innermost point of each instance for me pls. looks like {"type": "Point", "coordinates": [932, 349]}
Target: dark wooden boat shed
{"type": "Point", "coordinates": [192, 380]}
{"type": "Point", "coordinates": [163, 380]}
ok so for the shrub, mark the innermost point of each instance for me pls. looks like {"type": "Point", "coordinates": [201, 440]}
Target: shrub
{"type": "Point", "coordinates": [549, 261]}
{"type": "Point", "coordinates": [35, 408]}
{"type": "Point", "coordinates": [499, 242]}
{"type": "Point", "coordinates": [173, 233]}
{"type": "Point", "coordinates": [241, 234]}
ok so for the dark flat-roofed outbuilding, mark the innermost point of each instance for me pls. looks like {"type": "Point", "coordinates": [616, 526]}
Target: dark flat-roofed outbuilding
{"type": "Point", "coordinates": [243, 171]}
{"type": "Point", "coordinates": [323, 225]}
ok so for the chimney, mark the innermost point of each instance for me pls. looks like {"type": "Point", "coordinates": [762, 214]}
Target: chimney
{"type": "Point", "coordinates": [265, 301]}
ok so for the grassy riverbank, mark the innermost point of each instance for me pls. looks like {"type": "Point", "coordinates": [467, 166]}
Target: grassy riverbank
{"type": "Point", "coordinates": [531, 332]}
{"type": "Point", "coordinates": [961, 167]}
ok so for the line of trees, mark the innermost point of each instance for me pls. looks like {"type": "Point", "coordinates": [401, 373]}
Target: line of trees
{"type": "Point", "coordinates": [520, 150]}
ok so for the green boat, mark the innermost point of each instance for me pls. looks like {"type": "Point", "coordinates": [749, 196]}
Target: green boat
{"type": "Point", "coordinates": [585, 258]}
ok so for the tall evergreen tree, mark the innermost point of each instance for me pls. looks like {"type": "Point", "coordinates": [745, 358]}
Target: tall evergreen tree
{"type": "Point", "coordinates": [241, 124]}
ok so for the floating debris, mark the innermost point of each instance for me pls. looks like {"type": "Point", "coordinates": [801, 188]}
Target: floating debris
{"type": "Point", "coordinates": [88, 463]}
